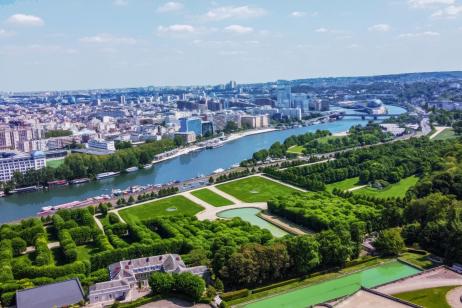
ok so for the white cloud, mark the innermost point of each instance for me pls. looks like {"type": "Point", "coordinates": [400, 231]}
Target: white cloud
{"type": "Point", "coordinates": [449, 12]}
{"type": "Point", "coordinates": [228, 12]}
{"type": "Point", "coordinates": [176, 29]}
{"type": "Point", "coordinates": [25, 20]}
{"type": "Point", "coordinates": [232, 52]}
{"type": "Point", "coordinates": [419, 34]}
{"type": "Point", "coordinates": [5, 33]}
{"type": "Point", "coordinates": [298, 14]}
{"type": "Point", "coordinates": [238, 29]}
{"type": "Point", "coordinates": [170, 7]}
{"type": "Point", "coordinates": [105, 38]}
{"type": "Point", "coordinates": [120, 2]}
{"type": "Point", "coordinates": [421, 4]}
{"type": "Point", "coordinates": [380, 28]}
{"type": "Point", "coordinates": [321, 30]}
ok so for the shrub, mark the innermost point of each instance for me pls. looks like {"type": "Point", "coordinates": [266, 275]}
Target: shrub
{"type": "Point", "coordinates": [19, 245]}
{"type": "Point", "coordinates": [161, 283]}
{"type": "Point", "coordinates": [190, 285]}
{"type": "Point", "coordinates": [230, 296]}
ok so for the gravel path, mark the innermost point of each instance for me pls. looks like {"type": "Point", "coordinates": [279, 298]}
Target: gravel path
{"type": "Point", "coordinates": [453, 297]}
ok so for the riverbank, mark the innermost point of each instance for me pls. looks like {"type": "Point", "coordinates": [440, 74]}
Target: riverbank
{"type": "Point", "coordinates": [180, 168]}
{"type": "Point", "coordinates": [231, 137]}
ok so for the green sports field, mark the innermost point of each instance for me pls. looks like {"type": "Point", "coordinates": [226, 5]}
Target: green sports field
{"type": "Point", "coordinates": [177, 205]}
{"type": "Point", "coordinates": [255, 189]}
{"type": "Point", "coordinates": [327, 290]}
{"type": "Point", "coordinates": [55, 163]}
{"type": "Point", "coordinates": [210, 197]}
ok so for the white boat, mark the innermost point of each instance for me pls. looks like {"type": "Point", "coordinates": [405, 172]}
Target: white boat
{"type": "Point", "coordinates": [105, 175]}
{"type": "Point", "coordinates": [132, 169]}
{"type": "Point", "coordinates": [147, 166]}
{"type": "Point", "coordinates": [219, 170]}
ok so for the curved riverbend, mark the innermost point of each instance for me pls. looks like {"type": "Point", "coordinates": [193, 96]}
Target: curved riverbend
{"type": "Point", "coordinates": [180, 168]}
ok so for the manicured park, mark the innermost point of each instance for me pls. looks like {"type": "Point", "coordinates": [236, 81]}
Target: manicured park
{"type": "Point", "coordinates": [173, 206]}
{"type": "Point", "coordinates": [397, 190]}
{"type": "Point", "coordinates": [211, 198]}
{"type": "Point", "coordinates": [255, 189]}
{"type": "Point", "coordinates": [343, 185]}
{"type": "Point", "coordinates": [428, 298]}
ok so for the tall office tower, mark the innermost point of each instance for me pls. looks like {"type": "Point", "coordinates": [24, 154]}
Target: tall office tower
{"type": "Point", "coordinates": [122, 99]}
{"type": "Point", "coordinates": [284, 95]}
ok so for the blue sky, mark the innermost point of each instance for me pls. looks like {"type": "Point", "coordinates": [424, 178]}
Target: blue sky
{"type": "Point", "coordinates": [81, 44]}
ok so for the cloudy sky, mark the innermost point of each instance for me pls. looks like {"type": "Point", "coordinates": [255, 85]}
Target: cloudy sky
{"type": "Point", "coordinates": [79, 44]}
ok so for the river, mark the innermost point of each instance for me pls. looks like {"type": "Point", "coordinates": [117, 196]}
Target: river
{"type": "Point", "coordinates": [180, 168]}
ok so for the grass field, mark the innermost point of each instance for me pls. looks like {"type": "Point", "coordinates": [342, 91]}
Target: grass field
{"type": "Point", "coordinates": [330, 289]}
{"type": "Point", "coordinates": [343, 185]}
{"type": "Point", "coordinates": [55, 163]}
{"type": "Point", "coordinates": [448, 133]}
{"type": "Point", "coordinates": [296, 149]}
{"type": "Point", "coordinates": [327, 138]}
{"type": "Point", "coordinates": [428, 298]}
{"type": "Point", "coordinates": [416, 259]}
{"type": "Point", "coordinates": [255, 189]}
{"type": "Point", "coordinates": [211, 198]}
{"type": "Point", "coordinates": [177, 205]}
{"type": "Point", "coordinates": [394, 190]}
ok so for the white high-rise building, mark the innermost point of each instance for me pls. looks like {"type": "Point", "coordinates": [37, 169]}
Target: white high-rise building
{"type": "Point", "coordinates": [284, 95]}
{"type": "Point", "coordinates": [12, 162]}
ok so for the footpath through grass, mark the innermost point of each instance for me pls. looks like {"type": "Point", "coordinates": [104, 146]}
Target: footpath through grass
{"type": "Point", "coordinates": [296, 149]}
{"type": "Point", "coordinates": [177, 205]}
{"type": "Point", "coordinates": [393, 190]}
{"type": "Point", "coordinates": [211, 198]}
{"type": "Point", "coordinates": [255, 189]}
{"type": "Point", "coordinates": [446, 134]}
{"type": "Point", "coordinates": [343, 185]}
{"type": "Point", "coordinates": [428, 298]}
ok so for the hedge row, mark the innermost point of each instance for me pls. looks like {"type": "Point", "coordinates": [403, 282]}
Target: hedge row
{"type": "Point", "coordinates": [229, 296]}
{"type": "Point", "coordinates": [52, 271]}
{"type": "Point", "coordinates": [105, 258]}
{"type": "Point", "coordinates": [68, 245]}
{"type": "Point", "coordinates": [6, 256]}
{"type": "Point", "coordinates": [116, 241]}
{"type": "Point", "coordinates": [43, 253]}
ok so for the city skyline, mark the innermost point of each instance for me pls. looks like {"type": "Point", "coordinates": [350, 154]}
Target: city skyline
{"type": "Point", "coordinates": [49, 45]}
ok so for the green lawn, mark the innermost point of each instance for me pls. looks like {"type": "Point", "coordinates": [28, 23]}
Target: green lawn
{"type": "Point", "coordinates": [448, 133]}
{"type": "Point", "coordinates": [55, 163]}
{"type": "Point", "coordinates": [416, 259]}
{"type": "Point", "coordinates": [255, 189]}
{"type": "Point", "coordinates": [296, 149]}
{"type": "Point", "coordinates": [211, 198]}
{"type": "Point", "coordinates": [85, 251]}
{"type": "Point", "coordinates": [394, 190]}
{"type": "Point", "coordinates": [428, 298]}
{"type": "Point", "coordinates": [343, 185]}
{"type": "Point", "coordinates": [327, 138]}
{"type": "Point", "coordinates": [177, 205]}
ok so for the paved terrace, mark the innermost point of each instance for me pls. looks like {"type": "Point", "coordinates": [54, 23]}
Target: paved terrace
{"type": "Point", "coordinates": [441, 276]}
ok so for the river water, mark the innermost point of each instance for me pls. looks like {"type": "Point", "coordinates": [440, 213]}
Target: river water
{"type": "Point", "coordinates": [180, 168]}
